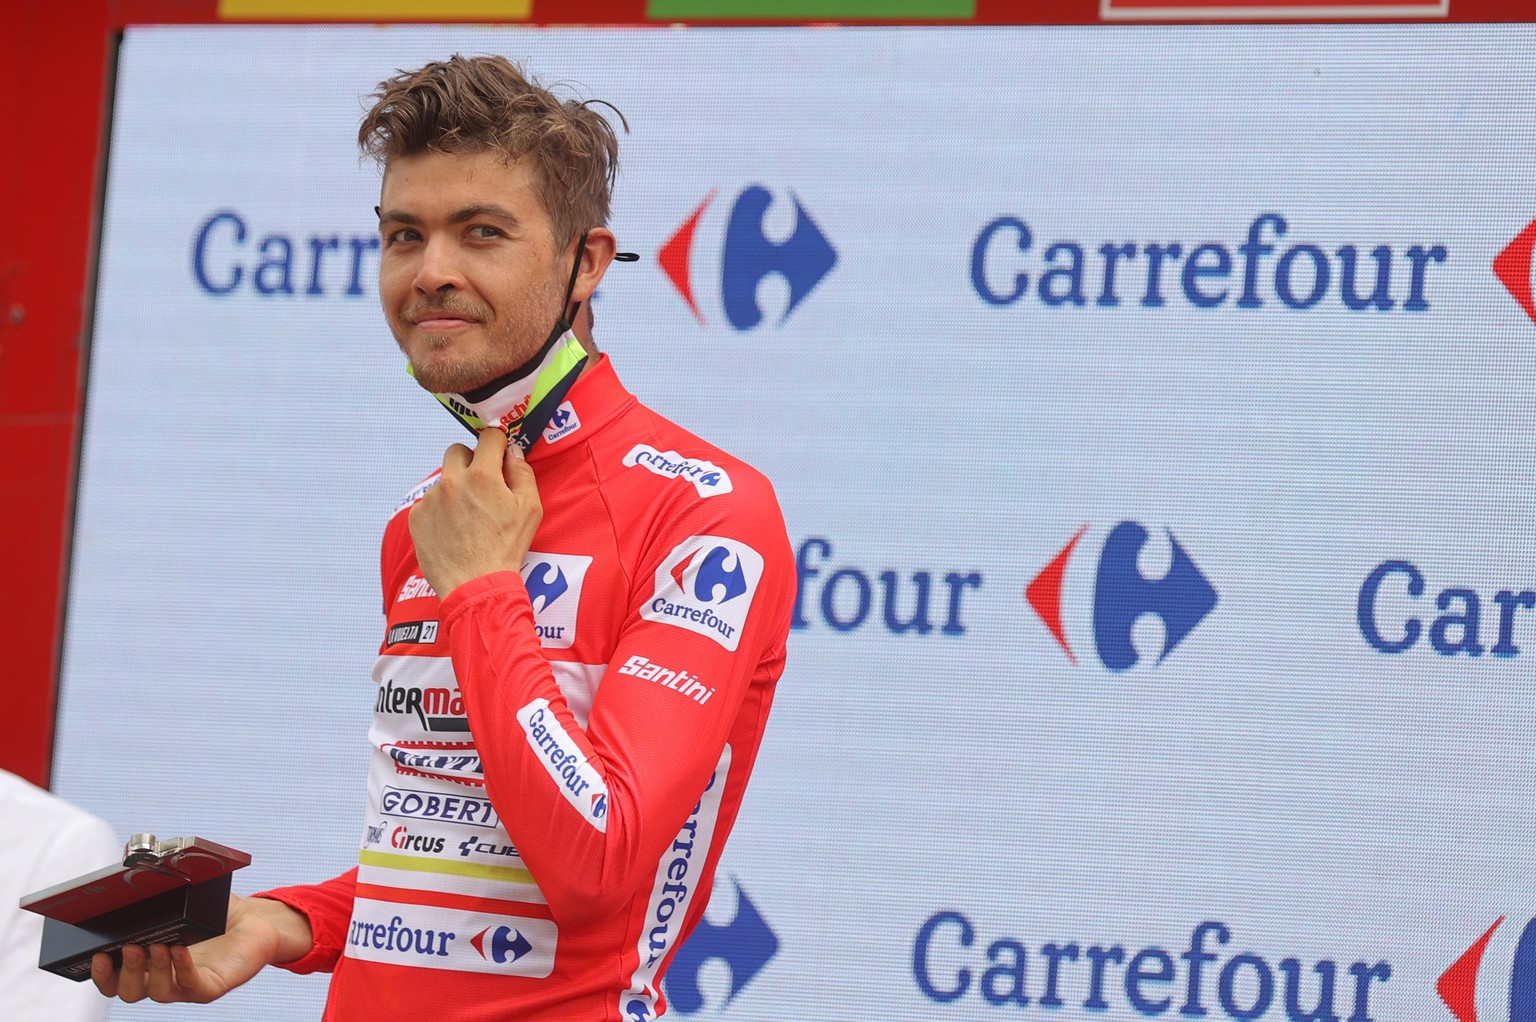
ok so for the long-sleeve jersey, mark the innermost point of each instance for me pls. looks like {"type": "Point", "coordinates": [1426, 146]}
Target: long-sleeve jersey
{"type": "Point", "coordinates": [559, 754]}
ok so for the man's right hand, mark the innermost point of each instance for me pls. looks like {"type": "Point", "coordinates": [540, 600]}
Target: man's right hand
{"type": "Point", "coordinates": [258, 932]}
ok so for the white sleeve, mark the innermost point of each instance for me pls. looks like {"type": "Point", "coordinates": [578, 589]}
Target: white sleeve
{"type": "Point", "coordinates": [31, 862]}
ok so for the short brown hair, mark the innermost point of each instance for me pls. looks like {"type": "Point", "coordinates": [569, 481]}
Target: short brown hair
{"type": "Point", "coordinates": [476, 104]}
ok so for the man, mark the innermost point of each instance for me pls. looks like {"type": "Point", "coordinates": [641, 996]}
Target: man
{"type": "Point", "coordinates": [47, 841]}
{"type": "Point", "coordinates": [558, 754]}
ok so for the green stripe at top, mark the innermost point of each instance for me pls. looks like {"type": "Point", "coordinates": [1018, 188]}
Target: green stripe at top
{"type": "Point", "coordinates": [796, 10]}
{"type": "Point", "coordinates": [449, 867]}
{"type": "Point", "coordinates": [559, 367]}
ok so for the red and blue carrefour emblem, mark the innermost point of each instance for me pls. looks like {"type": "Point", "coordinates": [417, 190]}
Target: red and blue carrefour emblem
{"type": "Point", "coordinates": [719, 577]}
{"type": "Point", "coordinates": [1121, 594]}
{"type": "Point", "coordinates": [1458, 984]}
{"type": "Point", "coordinates": [747, 256]}
{"type": "Point", "coordinates": [505, 944]}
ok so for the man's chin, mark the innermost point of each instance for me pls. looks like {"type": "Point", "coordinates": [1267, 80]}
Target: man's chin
{"type": "Point", "coordinates": [444, 379]}
{"type": "Point", "coordinates": [439, 365]}
{"type": "Point", "coordinates": [444, 367]}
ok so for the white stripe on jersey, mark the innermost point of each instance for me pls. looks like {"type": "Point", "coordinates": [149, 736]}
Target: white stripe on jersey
{"type": "Point", "coordinates": [673, 891]}
{"type": "Point", "coordinates": [428, 937]}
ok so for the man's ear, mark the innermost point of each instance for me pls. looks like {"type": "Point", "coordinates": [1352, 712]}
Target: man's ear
{"type": "Point", "coordinates": [596, 257]}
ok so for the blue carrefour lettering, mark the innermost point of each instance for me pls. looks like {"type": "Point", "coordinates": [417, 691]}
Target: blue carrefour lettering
{"type": "Point", "coordinates": [1261, 985]}
{"type": "Point", "coordinates": [1465, 623]}
{"type": "Point", "coordinates": [1301, 276]}
{"type": "Point", "coordinates": [920, 956]}
{"type": "Point", "coordinates": [1348, 288]}
{"type": "Point", "coordinates": [200, 253]}
{"type": "Point", "coordinates": [1318, 275]}
{"type": "Point", "coordinates": [567, 765]}
{"type": "Point", "coordinates": [806, 571]}
{"type": "Point", "coordinates": [1199, 266]}
{"type": "Point", "coordinates": [1419, 259]}
{"type": "Point", "coordinates": [1509, 602]}
{"type": "Point", "coordinates": [1244, 986]}
{"type": "Point", "coordinates": [1363, 974]}
{"type": "Point", "coordinates": [1365, 606]}
{"type": "Point", "coordinates": [1323, 1009]}
{"type": "Point", "coordinates": [1457, 629]}
{"type": "Point", "coordinates": [274, 274]}
{"type": "Point", "coordinates": [280, 262]}
{"type": "Point", "coordinates": [674, 891]}
{"type": "Point", "coordinates": [846, 596]}
{"type": "Point", "coordinates": [1149, 965]}
{"type": "Point", "coordinates": [1063, 283]}
{"type": "Point", "coordinates": [707, 618]}
{"type": "Point", "coordinates": [1196, 957]}
{"type": "Point", "coordinates": [1252, 251]}
{"type": "Point", "coordinates": [399, 938]}
{"type": "Point", "coordinates": [979, 252]}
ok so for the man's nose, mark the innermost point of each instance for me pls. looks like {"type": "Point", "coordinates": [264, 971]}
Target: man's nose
{"type": "Point", "coordinates": [439, 269]}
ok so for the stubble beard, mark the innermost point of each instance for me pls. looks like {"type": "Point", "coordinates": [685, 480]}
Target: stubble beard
{"type": "Point", "coordinates": [512, 341]}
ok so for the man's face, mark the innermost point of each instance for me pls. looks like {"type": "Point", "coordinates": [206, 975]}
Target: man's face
{"type": "Point", "coordinates": [469, 276]}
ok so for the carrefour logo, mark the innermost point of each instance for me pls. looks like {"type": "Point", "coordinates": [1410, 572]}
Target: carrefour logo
{"type": "Point", "coordinates": [706, 585]}
{"type": "Point", "coordinates": [743, 946]}
{"type": "Point", "coordinates": [1513, 268]}
{"type": "Point", "coordinates": [1460, 989]}
{"type": "Point", "coordinates": [747, 256]}
{"type": "Point", "coordinates": [554, 584]}
{"type": "Point", "coordinates": [1122, 594]}
{"type": "Point", "coordinates": [501, 945]}
{"type": "Point", "coordinates": [717, 575]}
{"type": "Point", "coordinates": [546, 584]}
{"type": "Point", "coordinates": [1277, 262]}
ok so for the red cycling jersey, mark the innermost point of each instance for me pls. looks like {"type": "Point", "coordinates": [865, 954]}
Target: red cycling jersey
{"type": "Point", "coordinates": [559, 755]}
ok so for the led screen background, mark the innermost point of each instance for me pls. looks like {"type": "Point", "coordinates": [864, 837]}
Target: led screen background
{"type": "Point", "coordinates": [947, 787]}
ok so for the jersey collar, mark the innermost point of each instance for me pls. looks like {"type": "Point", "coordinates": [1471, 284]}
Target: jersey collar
{"type": "Point", "coordinates": [595, 399]}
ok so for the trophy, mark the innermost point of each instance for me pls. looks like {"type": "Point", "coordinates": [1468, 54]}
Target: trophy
{"type": "Point", "coordinates": [163, 892]}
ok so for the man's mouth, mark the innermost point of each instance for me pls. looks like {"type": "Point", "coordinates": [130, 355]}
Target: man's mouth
{"type": "Point", "coordinates": [436, 319]}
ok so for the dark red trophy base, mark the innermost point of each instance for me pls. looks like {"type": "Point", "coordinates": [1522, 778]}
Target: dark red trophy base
{"type": "Point", "coordinates": [182, 898]}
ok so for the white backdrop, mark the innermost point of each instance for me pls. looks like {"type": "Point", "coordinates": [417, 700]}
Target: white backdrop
{"type": "Point", "coordinates": [930, 418]}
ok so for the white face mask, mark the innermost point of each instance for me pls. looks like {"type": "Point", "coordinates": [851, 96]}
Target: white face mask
{"type": "Point", "coordinates": [522, 402]}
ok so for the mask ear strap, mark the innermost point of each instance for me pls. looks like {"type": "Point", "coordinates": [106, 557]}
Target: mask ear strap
{"type": "Point", "coordinates": [570, 287]}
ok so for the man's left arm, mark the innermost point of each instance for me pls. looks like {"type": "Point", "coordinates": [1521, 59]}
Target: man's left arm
{"type": "Point", "coordinates": [591, 809]}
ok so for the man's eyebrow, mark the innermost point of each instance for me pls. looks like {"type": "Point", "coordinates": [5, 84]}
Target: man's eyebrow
{"type": "Point", "coordinates": [400, 216]}
{"type": "Point", "coordinates": [395, 215]}
{"type": "Point", "coordinates": [484, 209]}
